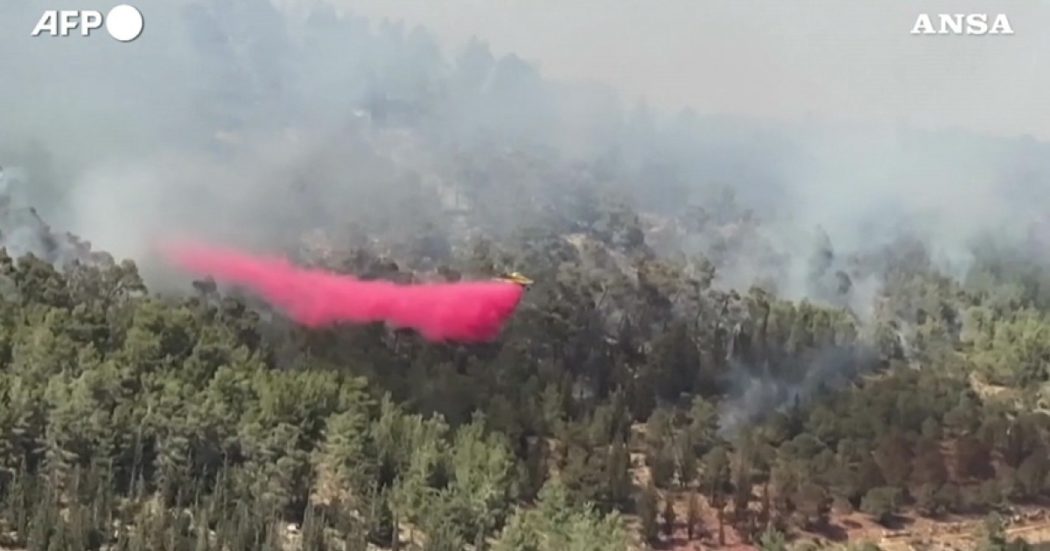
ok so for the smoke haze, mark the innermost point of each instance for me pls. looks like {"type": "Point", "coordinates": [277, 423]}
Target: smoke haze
{"type": "Point", "coordinates": [818, 59]}
{"type": "Point", "coordinates": [252, 123]}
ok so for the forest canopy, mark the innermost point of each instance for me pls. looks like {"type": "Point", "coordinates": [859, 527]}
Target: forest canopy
{"type": "Point", "coordinates": [720, 346]}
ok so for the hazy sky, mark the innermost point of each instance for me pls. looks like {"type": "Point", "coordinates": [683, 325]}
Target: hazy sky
{"type": "Point", "coordinates": [831, 59]}
{"type": "Point", "coordinates": [139, 135]}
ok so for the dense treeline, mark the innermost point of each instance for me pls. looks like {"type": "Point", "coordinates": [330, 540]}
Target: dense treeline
{"type": "Point", "coordinates": [135, 421]}
{"type": "Point", "coordinates": [646, 392]}
{"type": "Point", "coordinates": [142, 423]}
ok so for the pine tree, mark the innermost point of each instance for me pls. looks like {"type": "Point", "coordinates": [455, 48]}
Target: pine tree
{"type": "Point", "coordinates": [647, 507]}
{"type": "Point", "coordinates": [687, 460]}
{"type": "Point", "coordinates": [619, 474]}
{"type": "Point", "coordinates": [662, 464]}
{"type": "Point", "coordinates": [203, 540]}
{"type": "Point", "coordinates": [379, 519]}
{"type": "Point", "coordinates": [17, 502]}
{"type": "Point", "coordinates": [313, 535]}
{"type": "Point", "coordinates": [668, 514]}
{"type": "Point", "coordinates": [355, 540]}
{"type": "Point", "coordinates": [43, 521]}
{"type": "Point", "coordinates": [693, 516]}
{"type": "Point", "coordinates": [716, 475]}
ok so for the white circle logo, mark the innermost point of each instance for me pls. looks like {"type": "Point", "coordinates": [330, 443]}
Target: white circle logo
{"type": "Point", "coordinates": [124, 23]}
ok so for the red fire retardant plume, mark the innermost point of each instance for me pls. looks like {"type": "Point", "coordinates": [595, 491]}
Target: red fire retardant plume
{"type": "Point", "coordinates": [465, 311]}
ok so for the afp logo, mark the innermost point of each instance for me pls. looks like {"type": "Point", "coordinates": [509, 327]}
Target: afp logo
{"type": "Point", "coordinates": [123, 23]}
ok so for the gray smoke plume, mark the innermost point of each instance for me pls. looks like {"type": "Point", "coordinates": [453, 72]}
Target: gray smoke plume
{"type": "Point", "coordinates": [238, 121]}
{"type": "Point", "coordinates": [24, 232]}
{"type": "Point", "coordinates": [755, 393]}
